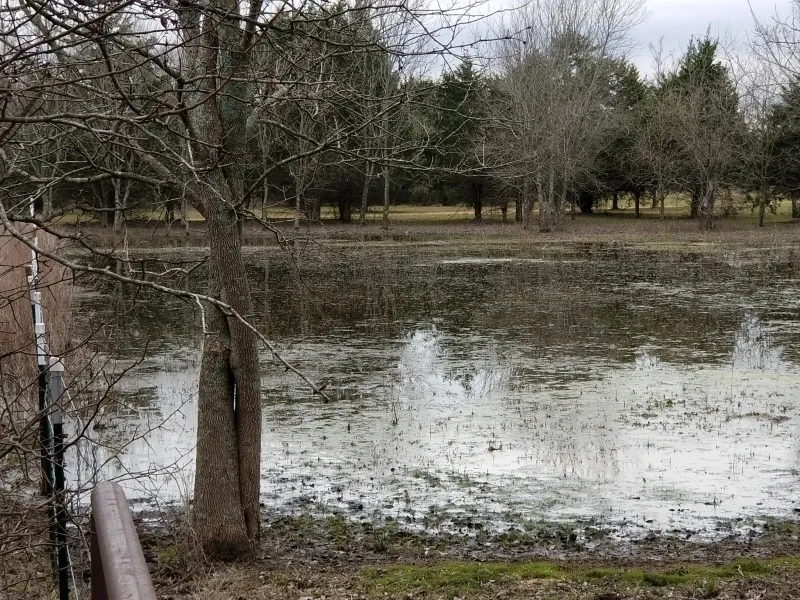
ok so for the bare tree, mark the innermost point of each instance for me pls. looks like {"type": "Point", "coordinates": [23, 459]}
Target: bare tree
{"type": "Point", "coordinates": [555, 72]}
{"type": "Point", "coordinates": [707, 125]}
{"type": "Point", "coordinates": [175, 97]}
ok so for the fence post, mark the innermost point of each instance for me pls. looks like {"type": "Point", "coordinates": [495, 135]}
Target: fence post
{"type": "Point", "coordinates": [59, 481]}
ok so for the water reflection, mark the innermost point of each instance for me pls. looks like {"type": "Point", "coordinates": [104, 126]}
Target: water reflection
{"type": "Point", "coordinates": [660, 393]}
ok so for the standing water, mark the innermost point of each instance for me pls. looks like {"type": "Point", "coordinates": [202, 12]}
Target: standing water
{"type": "Point", "coordinates": [648, 390]}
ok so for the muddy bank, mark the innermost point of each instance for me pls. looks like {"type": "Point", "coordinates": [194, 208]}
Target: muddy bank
{"type": "Point", "coordinates": [334, 557]}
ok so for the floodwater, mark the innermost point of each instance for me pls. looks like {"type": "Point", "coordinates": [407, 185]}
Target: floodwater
{"type": "Point", "coordinates": [646, 390]}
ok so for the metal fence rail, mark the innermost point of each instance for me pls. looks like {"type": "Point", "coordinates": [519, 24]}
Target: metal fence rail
{"type": "Point", "coordinates": [119, 571]}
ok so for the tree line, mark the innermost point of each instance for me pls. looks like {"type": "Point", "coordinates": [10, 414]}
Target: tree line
{"type": "Point", "coordinates": [352, 106]}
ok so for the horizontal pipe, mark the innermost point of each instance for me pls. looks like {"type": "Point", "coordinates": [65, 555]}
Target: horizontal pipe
{"type": "Point", "coordinates": [116, 545]}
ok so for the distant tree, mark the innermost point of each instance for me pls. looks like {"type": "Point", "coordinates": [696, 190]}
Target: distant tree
{"type": "Point", "coordinates": [783, 123]}
{"type": "Point", "coordinates": [709, 130]}
{"type": "Point", "coordinates": [656, 146]}
{"type": "Point", "coordinates": [619, 168]}
{"type": "Point", "coordinates": [461, 101]}
{"type": "Point", "coordinates": [557, 61]}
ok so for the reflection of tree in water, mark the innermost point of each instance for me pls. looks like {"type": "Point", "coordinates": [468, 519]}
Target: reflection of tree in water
{"type": "Point", "coordinates": [753, 347]}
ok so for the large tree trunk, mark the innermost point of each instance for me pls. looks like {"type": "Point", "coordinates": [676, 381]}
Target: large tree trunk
{"type": "Point", "coordinates": [694, 206]}
{"type": "Point", "coordinates": [217, 514]}
{"type": "Point", "coordinates": [477, 201]}
{"type": "Point", "coordinates": [386, 189]}
{"type": "Point", "coordinates": [795, 208]}
{"type": "Point", "coordinates": [344, 208]}
{"type": "Point", "coordinates": [362, 218]}
{"type": "Point", "coordinates": [121, 192]}
{"type": "Point", "coordinates": [615, 200]}
{"type": "Point", "coordinates": [225, 513]}
{"type": "Point", "coordinates": [528, 198]}
{"type": "Point", "coordinates": [228, 475]}
{"type": "Point", "coordinates": [518, 210]}
{"type": "Point", "coordinates": [547, 208]}
{"type": "Point", "coordinates": [706, 208]}
{"type": "Point", "coordinates": [655, 200]}
{"type": "Point", "coordinates": [47, 202]}
{"type": "Point", "coordinates": [637, 200]}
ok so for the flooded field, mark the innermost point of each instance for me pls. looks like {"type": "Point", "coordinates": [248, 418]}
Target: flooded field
{"type": "Point", "coordinates": [491, 387]}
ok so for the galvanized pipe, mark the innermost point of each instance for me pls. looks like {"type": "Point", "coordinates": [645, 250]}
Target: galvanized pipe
{"type": "Point", "coordinates": [119, 571]}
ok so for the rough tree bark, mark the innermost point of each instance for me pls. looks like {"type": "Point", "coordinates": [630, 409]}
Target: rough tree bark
{"type": "Point", "coordinates": [762, 205]}
{"type": "Point", "coordinates": [227, 479]}
{"type": "Point", "coordinates": [547, 207]}
{"type": "Point", "coordinates": [225, 512]}
{"type": "Point", "coordinates": [386, 189]}
{"type": "Point", "coordinates": [694, 206]}
{"type": "Point", "coordinates": [362, 218]}
{"type": "Point", "coordinates": [528, 198]}
{"type": "Point", "coordinates": [477, 201]}
{"type": "Point", "coordinates": [386, 143]}
{"type": "Point", "coordinates": [706, 207]}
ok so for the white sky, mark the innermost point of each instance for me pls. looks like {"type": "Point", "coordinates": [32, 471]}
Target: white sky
{"type": "Point", "coordinates": [674, 22]}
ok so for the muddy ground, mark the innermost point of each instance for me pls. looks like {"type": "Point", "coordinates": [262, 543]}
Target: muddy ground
{"type": "Point", "coordinates": [308, 558]}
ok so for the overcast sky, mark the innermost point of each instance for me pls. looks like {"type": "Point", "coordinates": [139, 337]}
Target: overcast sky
{"type": "Point", "coordinates": [676, 21]}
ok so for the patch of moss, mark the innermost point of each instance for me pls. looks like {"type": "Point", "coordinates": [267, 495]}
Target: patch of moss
{"type": "Point", "coordinates": [455, 576]}
{"type": "Point", "coordinates": [458, 578]}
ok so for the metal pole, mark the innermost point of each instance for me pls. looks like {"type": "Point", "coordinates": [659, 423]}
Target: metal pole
{"type": "Point", "coordinates": [41, 381]}
{"type": "Point", "coordinates": [45, 427]}
{"type": "Point", "coordinates": [119, 571]}
{"type": "Point", "coordinates": [56, 392]}
{"type": "Point", "coordinates": [45, 431]}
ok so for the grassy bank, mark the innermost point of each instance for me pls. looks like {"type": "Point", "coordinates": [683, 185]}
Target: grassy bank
{"type": "Point", "coordinates": [441, 226]}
